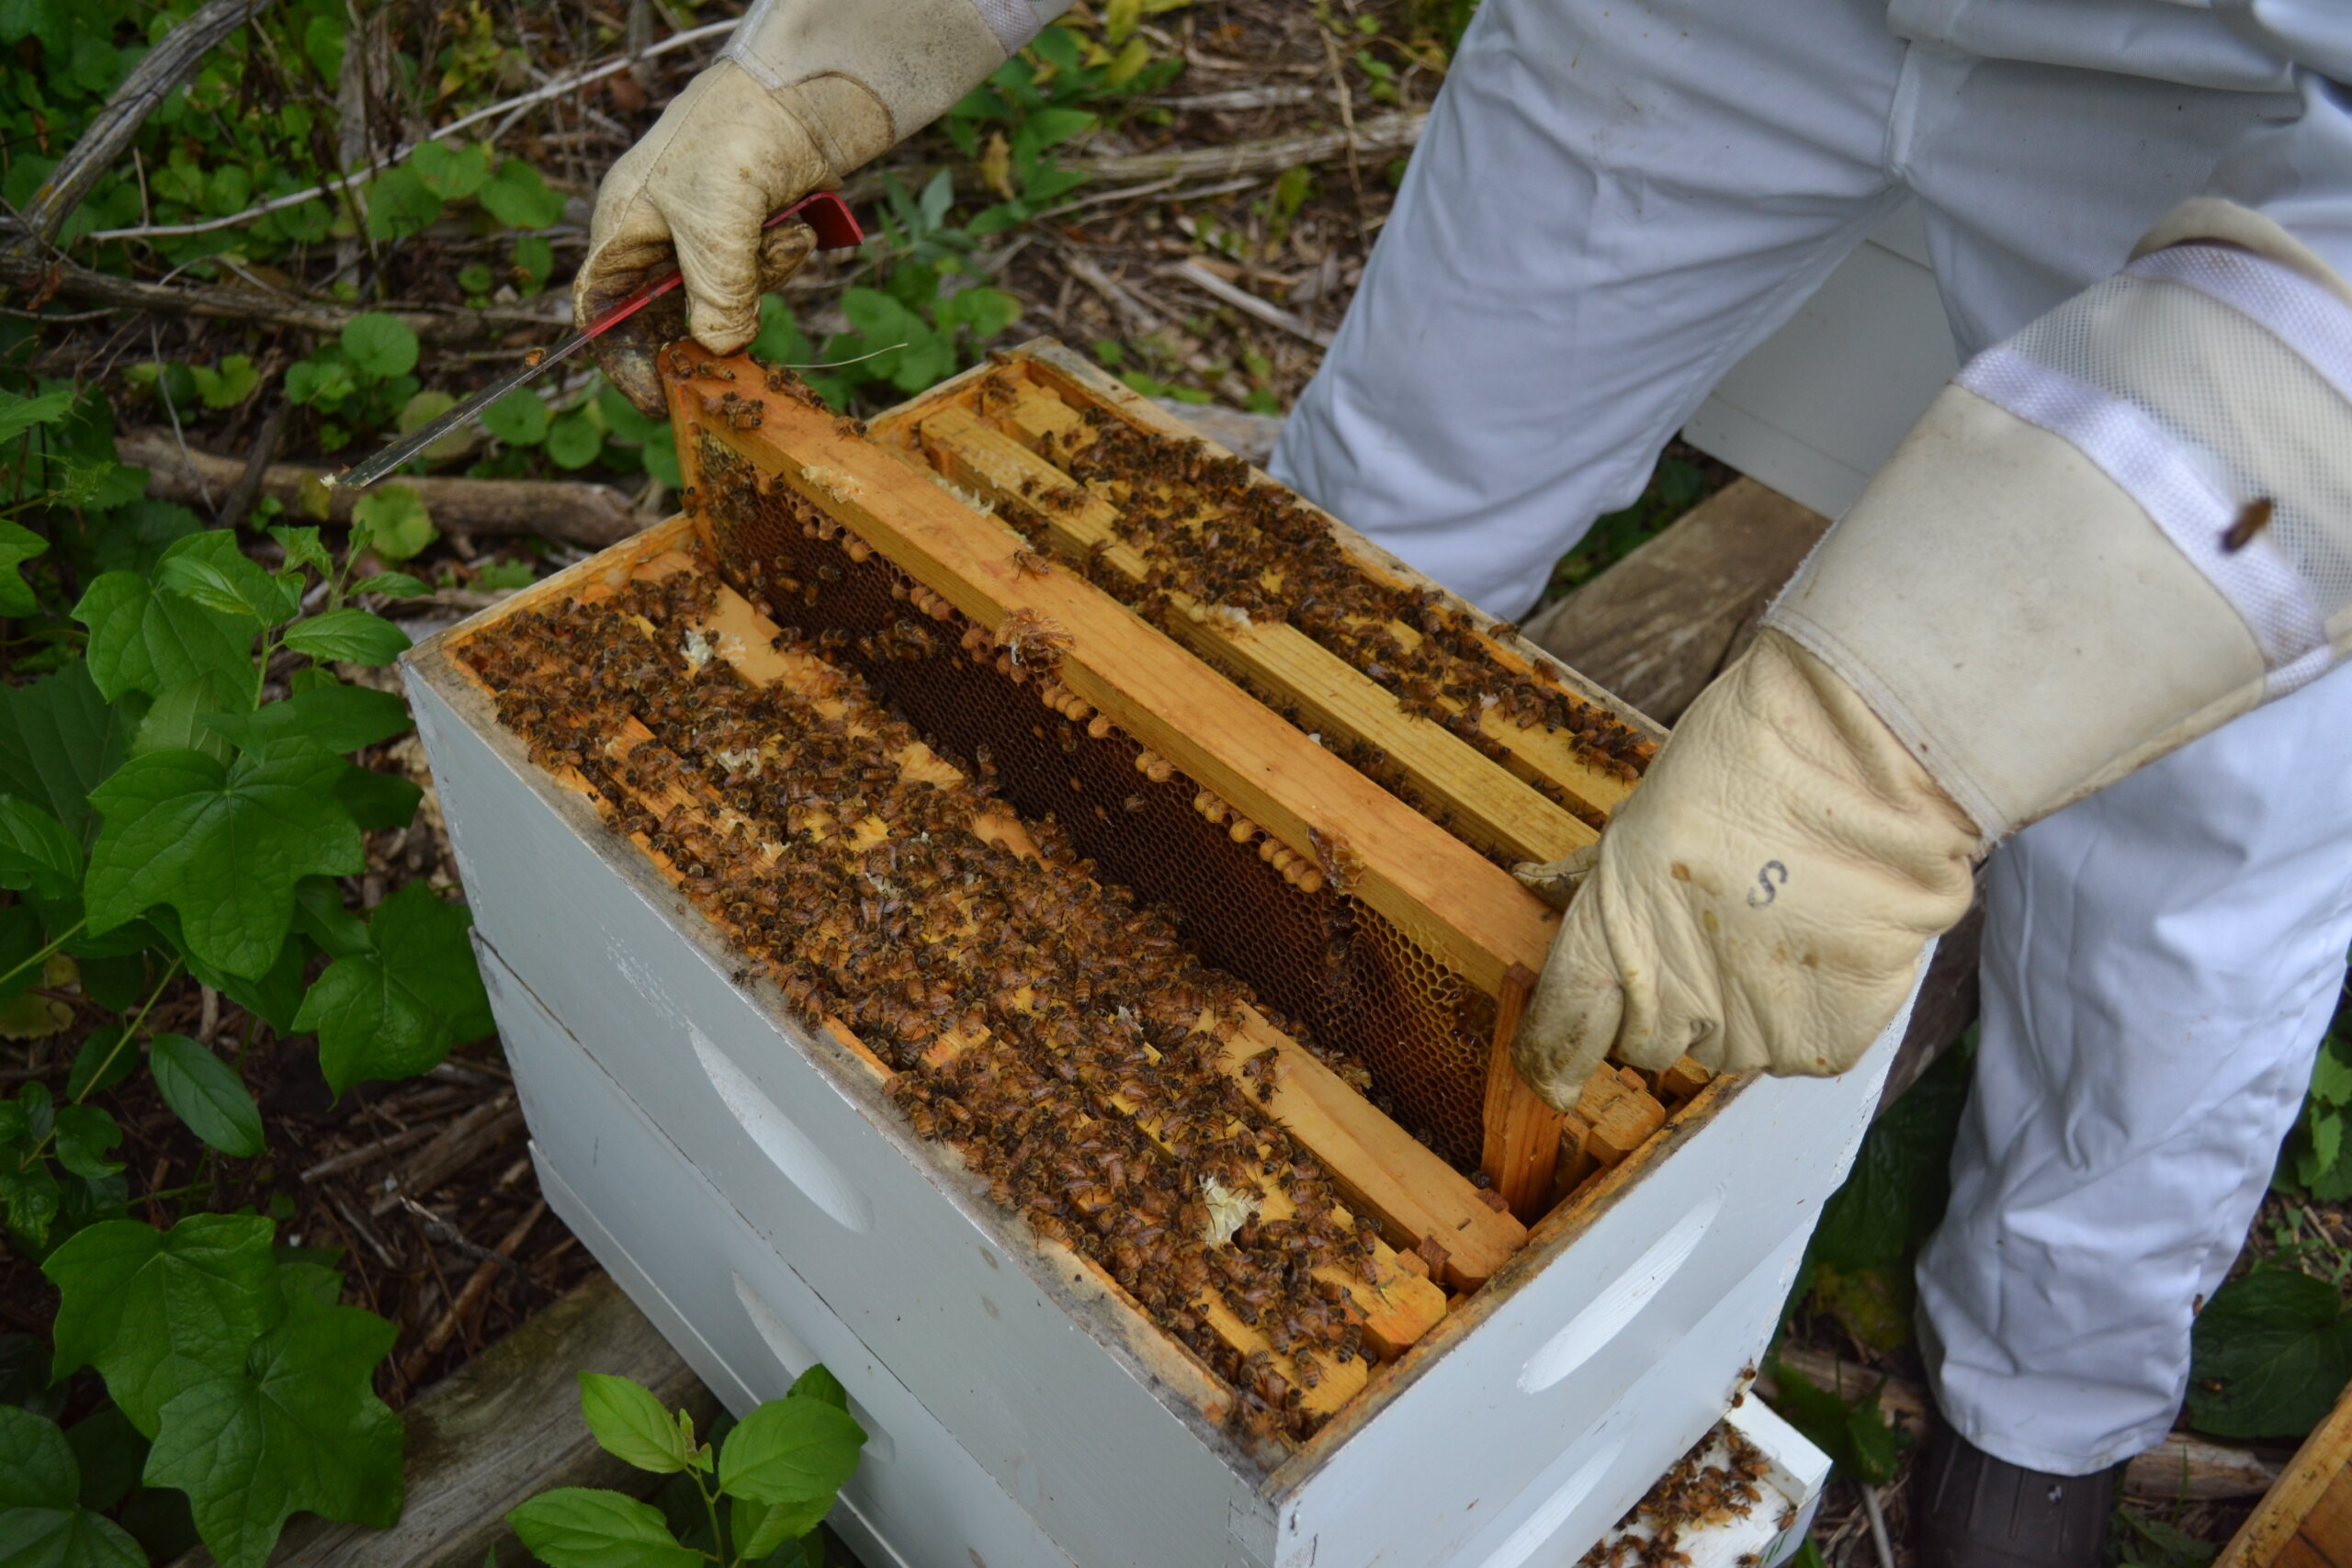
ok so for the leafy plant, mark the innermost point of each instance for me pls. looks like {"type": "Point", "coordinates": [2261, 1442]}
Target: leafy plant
{"type": "Point", "coordinates": [1858, 1266]}
{"type": "Point", "coordinates": [2315, 1159]}
{"type": "Point", "coordinates": [2269, 1354]}
{"type": "Point", "coordinates": [1853, 1433]}
{"type": "Point", "coordinates": [910, 334]}
{"type": "Point", "coordinates": [1049, 94]}
{"type": "Point", "coordinates": [762, 1491]}
{"type": "Point", "coordinates": [178, 799]}
{"type": "Point", "coordinates": [360, 381]}
{"type": "Point", "coordinates": [232, 1360]}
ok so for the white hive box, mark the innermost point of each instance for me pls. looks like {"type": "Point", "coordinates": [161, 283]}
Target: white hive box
{"type": "Point", "coordinates": [752, 1186]}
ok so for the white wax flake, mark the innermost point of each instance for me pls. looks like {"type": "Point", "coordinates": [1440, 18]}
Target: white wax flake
{"type": "Point", "coordinates": [745, 762]}
{"type": "Point", "coordinates": [698, 649]}
{"type": "Point", "coordinates": [1229, 1210]}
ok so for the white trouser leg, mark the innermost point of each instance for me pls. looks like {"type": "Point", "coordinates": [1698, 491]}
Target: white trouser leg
{"type": "Point", "coordinates": [2160, 962]}
{"type": "Point", "coordinates": [1612, 204]}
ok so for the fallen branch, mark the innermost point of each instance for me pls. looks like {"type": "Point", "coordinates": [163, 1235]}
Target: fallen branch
{"type": "Point", "coordinates": [573, 510]}
{"type": "Point", "coordinates": [172, 61]}
{"type": "Point", "coordinates": [2179, 1468]}
{"type": "Point", "coordinates": [470, 1296]}
{"type": "Point", "coordinates": [1388, 135]}
{"type": "Point", "coordinates": [60, 278]}
{"type": "Point", "coordinates": [461, 1143]}
{"type": "Point", "coordinates": [551, 90]}
{"type": "Point", "coordinates": [1249, 304]}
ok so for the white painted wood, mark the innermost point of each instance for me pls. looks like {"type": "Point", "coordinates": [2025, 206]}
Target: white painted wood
{"type": "Point", "coordinates": [746, 1321]}
{"type": "Point", "coordinates": [1766, 1163]}
{"type": "Point", "coordinates": [1555, 1397]}
{"type": "Point", "coordinates": [1814, 409]}
{"type": "Point", "coordinates": [1027, 1371]}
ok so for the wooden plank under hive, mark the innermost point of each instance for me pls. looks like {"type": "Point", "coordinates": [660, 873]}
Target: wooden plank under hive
{"type": "Point", "coordinates": [1411, 959]}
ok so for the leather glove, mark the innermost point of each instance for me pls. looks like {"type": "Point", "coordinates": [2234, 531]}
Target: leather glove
{"type": "Point", "coordinates": [1770, 885]}
{"type": "Point", "coordinates": [2113, 532]}
{"type": "Point", "coordinates": [806, 91]}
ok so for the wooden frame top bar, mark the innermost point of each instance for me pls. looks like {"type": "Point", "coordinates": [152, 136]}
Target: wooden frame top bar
{"type": "Point", "coordinates": [1431, 886]}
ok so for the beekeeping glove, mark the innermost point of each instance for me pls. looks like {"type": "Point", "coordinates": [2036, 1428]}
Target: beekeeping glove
{"type": "Point", "coordinates": [2111, 534]}
{"type": "Point", "coordinates": [805, 91]}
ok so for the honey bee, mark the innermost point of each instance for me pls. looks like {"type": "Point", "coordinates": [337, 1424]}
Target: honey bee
{"type": "Point", "coordinates": [2251, 520]}
{"type": "Point", "coordinates": [1030, 563]}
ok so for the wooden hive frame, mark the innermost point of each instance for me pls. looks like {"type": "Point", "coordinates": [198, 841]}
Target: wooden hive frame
{"type": "Point", "coordinates": [984, 433]}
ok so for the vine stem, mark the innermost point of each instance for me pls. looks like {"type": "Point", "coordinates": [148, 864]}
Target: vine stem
{"type": "Point", "coordinates": [42, 956]}
{"type": "Point", "coordinates": [130, 1031]}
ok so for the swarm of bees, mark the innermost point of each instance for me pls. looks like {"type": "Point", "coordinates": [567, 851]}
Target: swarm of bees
{"type": "Point", "coordinates": [1205, 528]}
{"type": "Point", "coordinates": [1055, 1035]}
{"type": "Point", "coordinates": [1349, 983]}
{"type": "Point", "coordinates": [1717, 1481]}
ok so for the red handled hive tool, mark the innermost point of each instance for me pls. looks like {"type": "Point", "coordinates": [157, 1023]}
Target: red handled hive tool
{"type": "Point", "coordinates": [823, 211]}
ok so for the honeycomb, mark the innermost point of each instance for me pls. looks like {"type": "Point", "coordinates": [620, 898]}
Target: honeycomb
{"type": "Point", "coordinates": [1333, 971]}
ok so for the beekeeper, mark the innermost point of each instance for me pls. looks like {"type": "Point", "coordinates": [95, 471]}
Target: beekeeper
{"type": "Point", "coordinates": [2087, 612]}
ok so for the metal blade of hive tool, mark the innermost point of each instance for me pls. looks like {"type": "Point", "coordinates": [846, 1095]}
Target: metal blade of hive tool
{"type": "Point", "coordinates": [823, 211]}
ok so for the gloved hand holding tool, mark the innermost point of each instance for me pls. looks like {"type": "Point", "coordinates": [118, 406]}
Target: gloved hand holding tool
{"type": "Point", "coordinates": [806, 91]}
{"type": "Point", "coordinates": [2127, 525]}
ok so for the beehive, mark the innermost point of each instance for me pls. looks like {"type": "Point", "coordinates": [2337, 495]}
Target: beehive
{"type": "Point", "coordinates": [1335, 844]}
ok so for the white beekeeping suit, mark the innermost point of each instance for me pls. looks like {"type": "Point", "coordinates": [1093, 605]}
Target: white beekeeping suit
{"type": "Point", "coordinates": [1612, 204]}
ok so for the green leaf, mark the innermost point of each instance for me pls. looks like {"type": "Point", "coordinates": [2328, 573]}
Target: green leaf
{"type": "Point", "coordinates": [295, 1426]}
{"type": "Point", "coordinates": [519, 419]}
{"type": "Point", "coordinates": [231, 384]}
{"type": "Point", "coordinates": [17, 545]}
{"type": "Point", "coordinates": [1895, 1193]}
{"type": "Point", "coordinates": [141, 640]}
{"type": "Point", "coordinates": [519, 199]}
{"type": "Point", "coordinates": [451, 173]}
{"type": "Point", "coordinates": [393, 522]}
{"type": "Point", "coordinates": [205, 1093]}
{"type": "Point", "coordinates": [393, 1013]}
{"type": "Point", "coordinates": [793, 1455]}
{"type": "Point", "coordinates": [1853, 1433]}
{"type": "Point", "coordinates": [103, 1060]}
{"type": "Point", "coordinates": [84, 1134]}
{"type": "Point", "coordinates": [573, 442]}
{"type": "Point", "coordinates": [303, 547]}
{"type": "Point", "coordinates": [2332, 1075]}
{"type": "Point", "coordinates": [320, 915]}
{"type": "Point", "coordinates": [2269, 1354]}
{"type": "Point", "coordinates": [335, 718]}
{"type": "Point", "coordinates": [37, 855]}
{"type": "Point", "coordinates": [66, 1537]}
{"type": "Point", "coordinates": [630, 1424]}
{"type": "Point", "coordinates": [58, 739]}
{"type": "Point", "coordinates": [222, 847]}
{"type": "Point", "coordinates": [175, 722]}
{"type": "Point", "coordinates": [348, 636]}
{"type": "Point", "coordinates": [19, 413]}
{"type": "Point", "coordinates": [2325, 1131]}
{"type": "Point", "coordinates": [129, 538]}
{"type": "Point", "coordinates": [156, 1312]}
{"type": "Point", "coordinates": [111, 1452]}
{"type": "Point", "coordinates": [36, 1468]}
{"type": "Point", "coordinates": [818, 1384]}
{"type": "Point", "coordinates": [378, 802]}
{"type": "Point", "coordinates": [579, 1527]}
{"type": "Point", "coordinates": [211, 569]}
{"type": "Point", "coordinates": [391, 585]}
{"type": "Point", "coordinates": [382, 345]}
{"type": "Point", "coordinates": [400, 204]}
